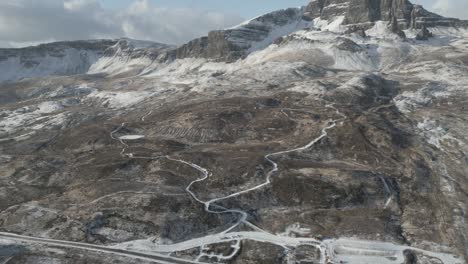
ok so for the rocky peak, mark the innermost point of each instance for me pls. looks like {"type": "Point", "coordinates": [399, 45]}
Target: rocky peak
{"type": "Point", "coordinates": [234, 43]}
{"type": "Point", "coordinates": [400, 13]}
{"type": "Point", "coordinates": [131, 48]}
{"type": "Point", "coordinates": [237, 42]}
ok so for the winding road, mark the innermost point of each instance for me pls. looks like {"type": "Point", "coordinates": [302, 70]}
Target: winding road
{"type": "Point", "coordinates": [148, 256]}
{"type": "Point", "coordinates": [342, 250]}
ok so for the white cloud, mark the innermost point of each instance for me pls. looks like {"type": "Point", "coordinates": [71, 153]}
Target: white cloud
{"type": "Point", "coordinates": [79, 5]}
{"type": "Point", "coordinates": [30, 21]}
{"type": "Point", "coordinates": [172, 25]}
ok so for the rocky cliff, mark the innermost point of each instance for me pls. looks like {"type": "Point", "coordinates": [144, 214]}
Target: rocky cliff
{"type": "Point", "coordinates": [407, 14]}
{"type": "Point", "coordinates": [235, 43]}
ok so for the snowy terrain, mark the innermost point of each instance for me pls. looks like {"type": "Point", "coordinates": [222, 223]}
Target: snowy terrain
{"type": "Point", "coordinates": [200, 160]}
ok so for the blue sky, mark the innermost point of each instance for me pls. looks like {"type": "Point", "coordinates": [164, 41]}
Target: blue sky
{"type": "Point", "coordinates": [245, 8]}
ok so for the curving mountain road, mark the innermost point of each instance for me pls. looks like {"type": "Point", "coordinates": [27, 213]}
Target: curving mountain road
{"type": "Point", "coordinates": [341, 250]}
{"type": "Point", "coordinates": [153, 257]}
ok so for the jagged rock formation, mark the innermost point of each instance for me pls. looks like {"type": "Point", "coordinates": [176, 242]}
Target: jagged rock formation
{"type": "Point", "coordinates": [423, 34]}
{"type": "Point", "coordinates": [232, 44]}
{"type": "Point", "coordinates": [365, 11]}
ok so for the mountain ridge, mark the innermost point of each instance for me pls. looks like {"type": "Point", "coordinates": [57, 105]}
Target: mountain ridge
{"type": "Point", "coordinates": [285, 139]}
{"type": "Point", "coordinates": [227, 45]}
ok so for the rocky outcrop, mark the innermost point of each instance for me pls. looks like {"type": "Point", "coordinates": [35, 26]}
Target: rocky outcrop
{"type": "Point", "coordinates": [235, 43]}
{"type": "Point", "coordinates": [215, 46]}
{"type": "Point", "coordinates": [326, 9]}
{"type": "Point", "coordinates": [133, 49]}
{"type": "Point", "coordinates": [232, 44]}
{"type": "Point", "coordinates": [424, 34]}
{"type": "Point", "coordinates": [355, 12]}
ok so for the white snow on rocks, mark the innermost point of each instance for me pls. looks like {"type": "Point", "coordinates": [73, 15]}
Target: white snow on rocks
{"type": "Point", "coordinates": [435, 134]}
{"type": "Point", "coordinates": [34, 118]}
{"type": "Point", "coordinates": [117, 64]}
{"type": "Point", "coordinates": [290, 21]}
{"type": "Point", "coordinates": [68, 91]}
{"type": "Point", "coordinates": [68, 61]}
{"type": "Point", "coordinates": [119, 99]}
{"type": "Point", "coordinates": [49, 107]}
{"type": "Point", "coordinates": [125, 56]}
{"type": "Point", "coordinates": [325, 25]}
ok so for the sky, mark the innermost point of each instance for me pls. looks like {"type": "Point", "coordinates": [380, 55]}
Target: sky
{"type": "Point", "coordinates": [30, 22]}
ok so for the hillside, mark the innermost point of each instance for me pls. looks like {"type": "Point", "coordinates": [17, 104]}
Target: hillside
{"type": "Point", "coordinates": [331, 133]}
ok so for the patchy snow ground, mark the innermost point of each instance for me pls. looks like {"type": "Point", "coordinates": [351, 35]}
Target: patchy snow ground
{"type": "Point", "coordinates": [33, 118]}
{"type": "Point", "coordinates": [433, 133]}
{"type": "Point", "coordinates": [119, 99]}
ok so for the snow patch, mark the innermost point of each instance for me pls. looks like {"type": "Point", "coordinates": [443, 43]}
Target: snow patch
{"type": "Point", "coordinates": [432, 132]}
{"type": "Point", "coordinates": [69, 91]}
{"type": "Point", "coordinates": [35, 117]}
{"type": "Point", "coordinates": [334, 26]}
{"type": "Point", "coordinates": [277, 24]}
{"type": "Point", "coordinates": [381, 29]}
{"type": "Point", "coordinates": [435, 134]}
{"type": "Point", "coordinates": [119, 99]}
{"type": "Point", "coordinates": [131, 137]}
{"type": "Point", "coordinates": [278, 32]}
{"type": "Point", "coordinates": [49, 107]}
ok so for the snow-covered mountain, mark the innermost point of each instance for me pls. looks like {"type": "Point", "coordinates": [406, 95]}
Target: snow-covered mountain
{"type": "Point", "coordinates": [119, 56]}
{"type": "Point", "coordinates": [61, 58]}
{"type": "Point", "coordinates": [76, 57]}
{"type": "Point", "coordinates": [330, 133]}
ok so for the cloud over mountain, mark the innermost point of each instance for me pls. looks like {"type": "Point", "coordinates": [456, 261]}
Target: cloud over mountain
{"type": "Point", "coordinates": [24, 22]}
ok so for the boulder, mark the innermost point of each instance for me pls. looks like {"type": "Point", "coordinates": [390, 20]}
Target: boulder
{"type": "Point", "coordinates": [423, 34]}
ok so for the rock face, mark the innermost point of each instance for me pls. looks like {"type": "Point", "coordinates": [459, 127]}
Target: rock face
{"type": "Point", "coordinates": [214, 46]}
{"type": "Point", "coordinates": [368, 11]}
{"type": "Point", "coordinates": [423, 34]}
{"type": "Point", "coordinates": [232, 44]}
{"type": "Point", "coordinates": [132, 49]}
